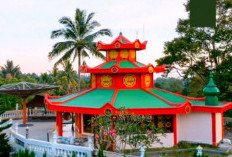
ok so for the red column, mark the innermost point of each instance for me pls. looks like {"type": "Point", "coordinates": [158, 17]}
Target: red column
{"type": "Point", "coordinates": [214, 142]}
{"type": "Point", "coordinates": [80, 124]}
{"type": "Point", "coordinates": [24, 112]}
{"type": "Point", "coordinates": [59, 123]}
{"type": "Point", "coordinates": [175, 129]}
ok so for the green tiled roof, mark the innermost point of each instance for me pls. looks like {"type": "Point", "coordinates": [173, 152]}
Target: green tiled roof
{"type": "Point", "coordinates": [126, 64]}
{"type": "Point", "coordinates": [68, 96]}
{"type": "Point", "coordinates": [138, 99]}
{"type": "Point", "coordinates": [94, 99]}
{"type": "Point", "coordinates": [109, 65]}
{"type": "Point", "coordinates": [168, 96]}
{"type": "Point", "coordinates": [139, 64]}
{"type": "Point", "coordinates": [202, 103]}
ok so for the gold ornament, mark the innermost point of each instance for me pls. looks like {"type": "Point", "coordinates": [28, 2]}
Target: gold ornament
{"type": "Point", "coordinates": [136, 45]}
{"type": "Point", "coordinates": [99, 46]}
{"type": "Point", "coordinates": [160, 125]}
{"type": "Point", "coordinates": [132, 54]}
{"type": "Point", "coordinates": [113, 54]}
{"type": "Point", "coordinates": [117, 45]}
{"type": "Point", "coordinates": [93, 80]}
{"type": "Point", "coordinates": [187, 109]}
{"type": "Point", "coordinates": [150, 69]}
{"type": "Point", "coordinates": [147, 80]}
{"type": "Point", "coordinates": [129, 80]}
{"type": "Point", "coordinates": [106, 81]}
{"type": "Point", "coordinates": [124, 54]}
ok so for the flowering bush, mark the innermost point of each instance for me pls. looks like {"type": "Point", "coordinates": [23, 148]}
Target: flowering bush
{"type": "Point", "coordinates": [123, 129]}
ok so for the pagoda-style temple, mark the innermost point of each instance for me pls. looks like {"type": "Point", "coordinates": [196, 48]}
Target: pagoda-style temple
{"type": "Point", "coordinates": [123, 81]}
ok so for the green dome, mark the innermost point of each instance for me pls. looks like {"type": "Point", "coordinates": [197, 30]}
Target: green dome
{"type": "Point", "coordinates": [211, 89]}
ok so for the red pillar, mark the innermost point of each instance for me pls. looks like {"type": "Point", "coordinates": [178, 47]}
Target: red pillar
{"type": "Point", "coordinates": [59, 123]}
{"type": "Point", "coordinates": [214, 142]}
{"type": "Point", "coordinates": [24, 112]}
{"type": "Point", "coordinates": [175, 129]}
{"type": "Point", "coordinates": [80, 124]}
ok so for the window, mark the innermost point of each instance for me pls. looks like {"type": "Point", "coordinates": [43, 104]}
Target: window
{"type": "Point", "coordinates": [86, 123]}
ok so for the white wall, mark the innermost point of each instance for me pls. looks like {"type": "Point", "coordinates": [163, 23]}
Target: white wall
{"type": "Point", "coordinates": [195, 127]}
{"type": "Point", "coordinates": [218, 117]}
{"type": "Point", "coordinates": [167, 139]}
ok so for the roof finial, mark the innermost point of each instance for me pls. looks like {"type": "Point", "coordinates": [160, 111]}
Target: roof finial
{"type": "Point", "coordinates": [211, 91]}
{"type": "Point", "coordinates": [120, 33]}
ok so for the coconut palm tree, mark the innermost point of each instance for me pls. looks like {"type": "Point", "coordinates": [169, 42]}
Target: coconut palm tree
{"type": "Point", "coordinates": [10, 71]}
{"type": "Point", "coordinates": [79, 38]}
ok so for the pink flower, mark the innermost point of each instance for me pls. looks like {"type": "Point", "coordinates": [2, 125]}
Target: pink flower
{"type": "Point", "coordinates": [114, 134]}
{"type": "Point", "coordinates": [114, 131]}
{"type": "Point", "coordinates": [110, 132]}
{"type": "Point", "coordinates": [149, 132]}
{"type": "Point", "coordinates": [102, 127]}
{"type": "Point", "coordinates": [97, 137]}
{"type": "Point", "coordinates": [105, 133]}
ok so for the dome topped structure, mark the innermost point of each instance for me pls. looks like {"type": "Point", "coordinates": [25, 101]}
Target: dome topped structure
{"type": "Point", "coordinates": [211, 92]}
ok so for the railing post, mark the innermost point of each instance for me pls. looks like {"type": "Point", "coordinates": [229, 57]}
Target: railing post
{"type": "Point", "coordinates": [90, 142]}
{"type": "Point", "coordinates": [27, 132]}
{"type": "Point", "coordinates": [16, 128]}
{"type": "Point", "coordinates": [142, 151]}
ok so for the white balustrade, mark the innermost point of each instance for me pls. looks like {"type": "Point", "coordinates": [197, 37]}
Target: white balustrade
{"type": "Point", "coordinates": [17, 114]}
{"type": "Point", "coordinates": [52, 149]}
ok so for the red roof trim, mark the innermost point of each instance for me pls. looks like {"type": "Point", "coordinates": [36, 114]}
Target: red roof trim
{"type": "Point", "coordinates": [127, 45]}
{"type": "Point", "coordinates": [86, 69]}
{"type": "Point", "coordinates": [61, 102]}
{"type": "Point", "coordinates": [57, 97]}
{"type": "Point", "coordinates": [212, 109]}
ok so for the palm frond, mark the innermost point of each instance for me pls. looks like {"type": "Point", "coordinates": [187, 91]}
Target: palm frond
{"type": "Point", "coordinates": [59, 47]}
{"type": "Point", "coordinates": [102, 32]}
{"type": "Point", "coordinates": [93, 50]}
{"type": "Point", "coordinates": [89, 18]}
{"type": "Point", "coordinates": [65, 57]}
{"type": "Point", "coordinates": [84, 54]}
{"type": "Point", "coordinates": [93, 25]}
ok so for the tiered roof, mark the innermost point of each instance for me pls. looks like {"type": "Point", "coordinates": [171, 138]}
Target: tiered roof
{"type": "Point", "coordinates": [139, 99]}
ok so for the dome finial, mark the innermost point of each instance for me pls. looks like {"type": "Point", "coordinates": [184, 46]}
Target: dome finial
{"type": "Point", "coordinates": [211, 91]}
{"type": "Point", "coordinates": [120, 33]}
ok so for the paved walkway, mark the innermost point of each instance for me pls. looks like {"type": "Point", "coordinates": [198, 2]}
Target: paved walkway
{"type": "Point", "coordinates": [38, 128]}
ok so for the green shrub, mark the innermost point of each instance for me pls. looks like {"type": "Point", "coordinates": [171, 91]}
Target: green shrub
{"type": "Point", "coordinates": [229, 124]}
{"type": "Point", "coordinates": [203, 155]}
{"type": "Point", "coordinates": [24, 153]}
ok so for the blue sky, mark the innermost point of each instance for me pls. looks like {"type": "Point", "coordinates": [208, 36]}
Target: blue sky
{"type": "Point", "coordinates": [26, 25]}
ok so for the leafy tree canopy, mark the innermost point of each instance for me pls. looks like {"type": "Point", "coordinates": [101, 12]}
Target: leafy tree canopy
{"type": "Point", "coordinates": [197, 49]}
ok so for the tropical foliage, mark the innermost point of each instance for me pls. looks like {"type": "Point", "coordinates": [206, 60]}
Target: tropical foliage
{"type": "Point", "coordinates": [66, 78]}
{"type": "Point", "coordinates": [10, 71]}
{"type": "Point", "coordinates": [5, 148]}
{"type": "Point", "coordinates": [196, 49]}
{"type": "Point", "coordinates": [79, 38]}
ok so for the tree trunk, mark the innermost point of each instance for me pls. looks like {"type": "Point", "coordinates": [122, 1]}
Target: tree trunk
{"type": "Point", "coordinates": [79, 74]}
